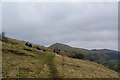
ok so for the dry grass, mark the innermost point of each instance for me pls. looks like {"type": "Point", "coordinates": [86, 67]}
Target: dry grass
{"type": "Point", "coordinates": [20, 63]}
{"type": "Point", "coordinates": [75, 68]}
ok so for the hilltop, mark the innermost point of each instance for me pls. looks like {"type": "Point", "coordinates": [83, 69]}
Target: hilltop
{"type": "Point", "coordinates": [100, 54]}
{"type": "Point", "coordinates": [21, 61]}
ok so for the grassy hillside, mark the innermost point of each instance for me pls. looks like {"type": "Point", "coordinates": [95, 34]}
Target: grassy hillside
{"type": "Point", "coordinates": [64, 47]}
{"type": "Point", "coordinates": [20, 61]}
{"type": "Point", "coordinates": [103, 54]}
{"type": "Point", "coordinates": [106, 57]}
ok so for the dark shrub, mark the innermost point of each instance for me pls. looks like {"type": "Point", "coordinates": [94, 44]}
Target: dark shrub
{"type": "Point", "coordinates": [78, 56]}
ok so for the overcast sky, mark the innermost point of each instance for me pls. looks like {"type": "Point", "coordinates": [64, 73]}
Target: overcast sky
{"type": "Point", "coordinates": [84, 25]}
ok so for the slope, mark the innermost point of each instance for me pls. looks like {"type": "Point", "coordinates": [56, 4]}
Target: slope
{"type": "Point", "coordinates": [103, 54]}
{"type": "Point", "coordinates": [20, 61]}
{"type": "Point", "coordinates": [106, 57]}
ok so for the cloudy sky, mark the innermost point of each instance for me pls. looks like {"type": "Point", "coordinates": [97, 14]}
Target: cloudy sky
{"type": "Point", "coordinates": [84, 25]}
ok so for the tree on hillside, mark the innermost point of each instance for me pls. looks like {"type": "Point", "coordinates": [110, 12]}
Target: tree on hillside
{"type": "Point", "coordinates": [3, 34]}
{"type": "Point", "coordinates": [4, 39]}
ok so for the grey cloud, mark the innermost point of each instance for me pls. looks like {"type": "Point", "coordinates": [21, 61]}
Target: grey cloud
{"type": "Point", "coordinates": [90, 25]}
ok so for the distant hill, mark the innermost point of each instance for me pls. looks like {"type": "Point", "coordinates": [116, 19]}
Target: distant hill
{"type": "Point", "coordinates": [68, 48]}
{"type": "Point", "coordinates": [103, 56]}
{"type": "Point", "coordinates": [21, 61]}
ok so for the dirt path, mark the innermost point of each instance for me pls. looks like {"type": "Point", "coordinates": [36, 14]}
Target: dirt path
{"type": "Point", "coordinates": [52, 67]}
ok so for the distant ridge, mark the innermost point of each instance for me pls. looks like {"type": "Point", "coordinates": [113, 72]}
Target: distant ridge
{"type": "Point", "coordinates": [105, 54]}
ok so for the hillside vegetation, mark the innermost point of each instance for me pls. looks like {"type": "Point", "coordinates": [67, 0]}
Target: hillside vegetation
{"type": "Point", "coordinates": [20, 61]}
{"type": "Point", "coordinates": [102, 54]}
{"type": "Point", "coordinates": [106, 57]}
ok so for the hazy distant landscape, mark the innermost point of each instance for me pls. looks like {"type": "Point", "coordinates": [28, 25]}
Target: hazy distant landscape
{"type": "Point", "coordinates": [60, 40]}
